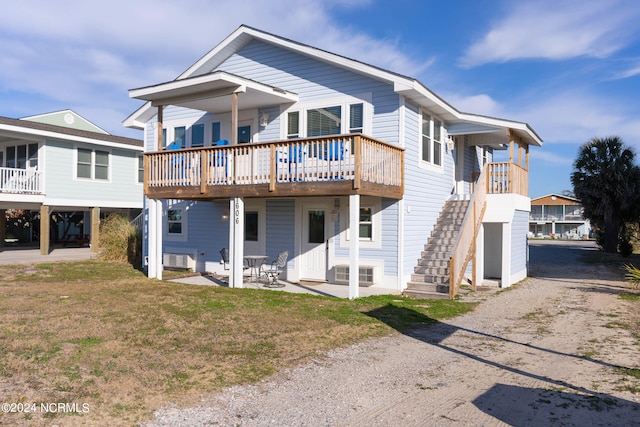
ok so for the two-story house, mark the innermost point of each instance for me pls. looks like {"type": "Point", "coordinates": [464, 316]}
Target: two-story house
{"type": "Point", "coordinates": [557, 216]}
{"type": "Point", "coordinates": [60, 163]}
{"type": "Point", "coordinates": [266, 144]}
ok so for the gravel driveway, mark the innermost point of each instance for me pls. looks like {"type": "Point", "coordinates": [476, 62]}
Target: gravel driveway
{"type": "Point", "coordinates": [551, 351]}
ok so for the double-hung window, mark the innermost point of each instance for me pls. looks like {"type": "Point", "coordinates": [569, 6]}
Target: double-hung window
{"type": "Point", "coordinates": [140, 169]}
{"type": "Point", "coordinates": [174, 221]}
{"type": "Point", "coordinates": [92, 164]}
{"type": "Point", "coordinates": [326, 120]}
{"type": "Point", "coordinates": [431, 140]}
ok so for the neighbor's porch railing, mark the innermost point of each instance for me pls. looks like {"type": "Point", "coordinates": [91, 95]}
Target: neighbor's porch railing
{"type": "Point", "coordinates": [329, 158]}
{"type": "Point", "coordinates": [464, 247]}
{"type": "Point", "coordinates": [21, 181]}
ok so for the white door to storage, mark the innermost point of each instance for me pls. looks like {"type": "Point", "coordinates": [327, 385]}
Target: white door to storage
{"type": "Point", "coordinates": [314, 243]}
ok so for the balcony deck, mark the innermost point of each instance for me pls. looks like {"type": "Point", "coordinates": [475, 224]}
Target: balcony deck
{"type": "Point", "coordinates": [20, 181]}
{"type": "Point", "coordinates": [324, 166]}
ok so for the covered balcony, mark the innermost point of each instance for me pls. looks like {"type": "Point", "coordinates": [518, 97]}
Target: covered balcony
{"type": "Point", "coordinates": [20, 181]}
{"type": "Point", "coordinates": [321, 166]}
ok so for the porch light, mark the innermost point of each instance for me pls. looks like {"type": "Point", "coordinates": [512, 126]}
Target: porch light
{"type": "Point", "coordinates": [225, 215]}
{"type": "Point", "coordinates": [450, 143]}
{"type": "Point", "coordinates": [264, 120]}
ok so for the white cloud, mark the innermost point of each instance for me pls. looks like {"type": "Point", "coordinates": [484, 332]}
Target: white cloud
{"type": "Point", "coordinates": [87, 53]}
{"type": "Point", "coordinates": [556, 30]}
{"type": "Point", "coordinates": [476, 104]}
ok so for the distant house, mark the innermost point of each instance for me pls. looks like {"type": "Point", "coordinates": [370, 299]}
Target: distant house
{"type": "Point", "coordinates": [61, 164]}
{"type": "Point", "coordinates": [558, 217]}
{"type": "Point", "coordinates": [266, 144]}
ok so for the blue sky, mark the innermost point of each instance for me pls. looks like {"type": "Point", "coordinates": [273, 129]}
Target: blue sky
{"type": "Point", "coordinates": [571, 69]}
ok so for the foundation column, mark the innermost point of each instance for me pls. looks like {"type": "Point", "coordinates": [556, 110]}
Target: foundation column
{"type": "Point", "coordinates": [44, 229]}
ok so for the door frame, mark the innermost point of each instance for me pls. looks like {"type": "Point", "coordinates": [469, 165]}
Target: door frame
{"type": "Point", "coordinates": [302, 206]}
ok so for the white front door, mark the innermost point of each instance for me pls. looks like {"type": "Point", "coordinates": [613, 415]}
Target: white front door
{"type": "Point", "coordinates": [315, 226]}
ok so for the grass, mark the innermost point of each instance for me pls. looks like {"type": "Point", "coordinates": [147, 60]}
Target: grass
{"type": "Point", "coordinates": [103, 335]}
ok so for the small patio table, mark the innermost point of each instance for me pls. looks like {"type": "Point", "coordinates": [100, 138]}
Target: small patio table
{"type": "Point", "coordinates": [254, 263]}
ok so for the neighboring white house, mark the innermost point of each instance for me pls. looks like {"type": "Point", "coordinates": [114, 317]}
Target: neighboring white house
{"type": "Point", "coordinates": [558, 217]}
{"type": "Point", "coordinates": [322, 148]}
{"type": "Point", "coordinates": [61, 163]}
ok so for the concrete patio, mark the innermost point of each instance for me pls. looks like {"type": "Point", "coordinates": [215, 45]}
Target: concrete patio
{"type": "Point", "coordinates": [31, 255]}
{"type": "Point", "coordinates": [322, 289]}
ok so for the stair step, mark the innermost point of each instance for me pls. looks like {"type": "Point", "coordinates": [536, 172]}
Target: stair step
{"type": "Point", "coordinates": [425, 294]}
{"type": "Point", "coordinates": [437, 279]}
{"type": "Point", "coordinates": [430, 270]}
{"type": "Point", "coordinates": [433, 262]}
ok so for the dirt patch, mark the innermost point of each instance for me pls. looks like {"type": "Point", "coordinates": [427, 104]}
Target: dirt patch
{"type": "Point", "coordinates": [560, 348]}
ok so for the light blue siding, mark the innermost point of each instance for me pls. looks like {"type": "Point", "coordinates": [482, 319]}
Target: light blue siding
{"type": "Point", "coordinates": [388, 252]}
{"type": "Point", "coordinates": [313, 80]}
{"type": "Point", "coordinates": [425, 191]}
{"type": "Point", "coordinates": [61, 183]}
{"type": "Point", "coordinates": [280, 228]}
{"type": "Point", "coordinates": [519, 231]}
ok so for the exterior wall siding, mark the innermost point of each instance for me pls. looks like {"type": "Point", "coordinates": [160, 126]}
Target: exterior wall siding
{"type": "Point", "coordinates": [60, 167]}
{"type": "Point", "coordinates": [425, 191]}
{"type": "Point", "coordinates": [280, 232]}
{"type": "Point", "coordinates": [519, 244]}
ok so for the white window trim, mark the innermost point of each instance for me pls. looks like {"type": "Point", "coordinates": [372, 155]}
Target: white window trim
{"type": "Point", "coordinates": [137, 169]}
{"type": "Point", "coordinates": [376, 223]}
{"type": "Point", "coordinates": [430, 166]}
{"type": "Point", "coordinates": [183, 236]}
{"type": "Point", "coordinates": [343, 101]}
{"type": "Point", "coordinates": [93, 164]}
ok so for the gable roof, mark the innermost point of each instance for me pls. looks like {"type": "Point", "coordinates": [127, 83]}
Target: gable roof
{"type": "Point", "coordinates": [411, 88]}
{"type": "Point", "coordinates": [27, 129]}
{"type": "Point", "coordinates": [66, 118]}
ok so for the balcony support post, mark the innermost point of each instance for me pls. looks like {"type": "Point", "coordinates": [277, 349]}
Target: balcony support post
{"type": "Point", "coordinates": [154, 250]}
{"type": "Point", "coordinates": [44, 229]}
{"type": "Point", "coordinates": [3, 226]}
{"type": "Point", "coordinates": [159, 128]}
{"type": "Point", "coordinates": [354, 246]}
{"type": "Point", "coordinates": [236, 242]}
{"type": "Point", "coordinates": [95, 229]}
{"type": "Point", "coordinates": [234, 118]}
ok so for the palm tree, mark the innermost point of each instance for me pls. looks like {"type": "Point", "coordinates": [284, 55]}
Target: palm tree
{"type": "Point", "coordinates": [606, 180]}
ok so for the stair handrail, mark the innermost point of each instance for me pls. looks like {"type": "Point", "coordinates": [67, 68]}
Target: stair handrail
{"type": "Point", "coordinates": [464, 245]}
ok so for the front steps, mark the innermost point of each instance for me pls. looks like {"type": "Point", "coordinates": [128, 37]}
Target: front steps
{"type": "Point", "coordinates": [431, 275]}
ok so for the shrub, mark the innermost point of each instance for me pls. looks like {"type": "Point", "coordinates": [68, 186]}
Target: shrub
{"type": "Point", "coordinates": [633, 274]}
{"type": "Point", "coordinates": [120, 241]}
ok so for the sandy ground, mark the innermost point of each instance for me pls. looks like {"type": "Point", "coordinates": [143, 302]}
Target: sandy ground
{"type": "Point", "coordinates": [547, 352]}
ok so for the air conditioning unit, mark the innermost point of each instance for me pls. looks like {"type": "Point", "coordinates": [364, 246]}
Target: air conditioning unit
{"type": "Point", "coordinates": [365, 278]}
{"type": "Point", "coordinates": [178, 260]}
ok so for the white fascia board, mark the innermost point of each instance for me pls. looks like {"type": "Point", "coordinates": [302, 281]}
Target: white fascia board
{"type": "Point", "coordinates": [66, 137]}
{"type": "Point", "coordinates": [88, 203]}
{"type": "Point", "coordinates": [523, 128]}
{"type": "Point", "coordinates": [417, 92]}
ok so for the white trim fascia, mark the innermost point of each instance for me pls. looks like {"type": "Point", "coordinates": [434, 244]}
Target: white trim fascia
{"type": "Point", "coordinates": [67, 137]}
{"type": "Point", "coordinates": [241, 84]}
{"type": "Point", "coordinates": [86, 203]}
{"type": "Point", "coordinates": [22, 198]}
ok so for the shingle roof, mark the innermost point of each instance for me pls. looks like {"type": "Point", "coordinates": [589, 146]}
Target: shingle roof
{"type": "Point", "coordinates": [26, 124]}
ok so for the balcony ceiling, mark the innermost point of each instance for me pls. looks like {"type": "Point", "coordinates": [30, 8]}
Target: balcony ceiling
{"type": "Point", "coordinates": [212, 93]}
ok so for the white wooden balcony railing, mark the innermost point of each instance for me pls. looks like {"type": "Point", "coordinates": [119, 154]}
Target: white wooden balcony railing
{"type": "Point", "coordinates": [20, 181]}
{"type": "Point", "coordinates": [311, 162]}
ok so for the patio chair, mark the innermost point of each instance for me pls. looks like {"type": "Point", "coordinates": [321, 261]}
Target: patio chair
{"type": "Point", "coordinates": [276, 267]}
{"type": "Point", "coordinates": [224, 253]}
